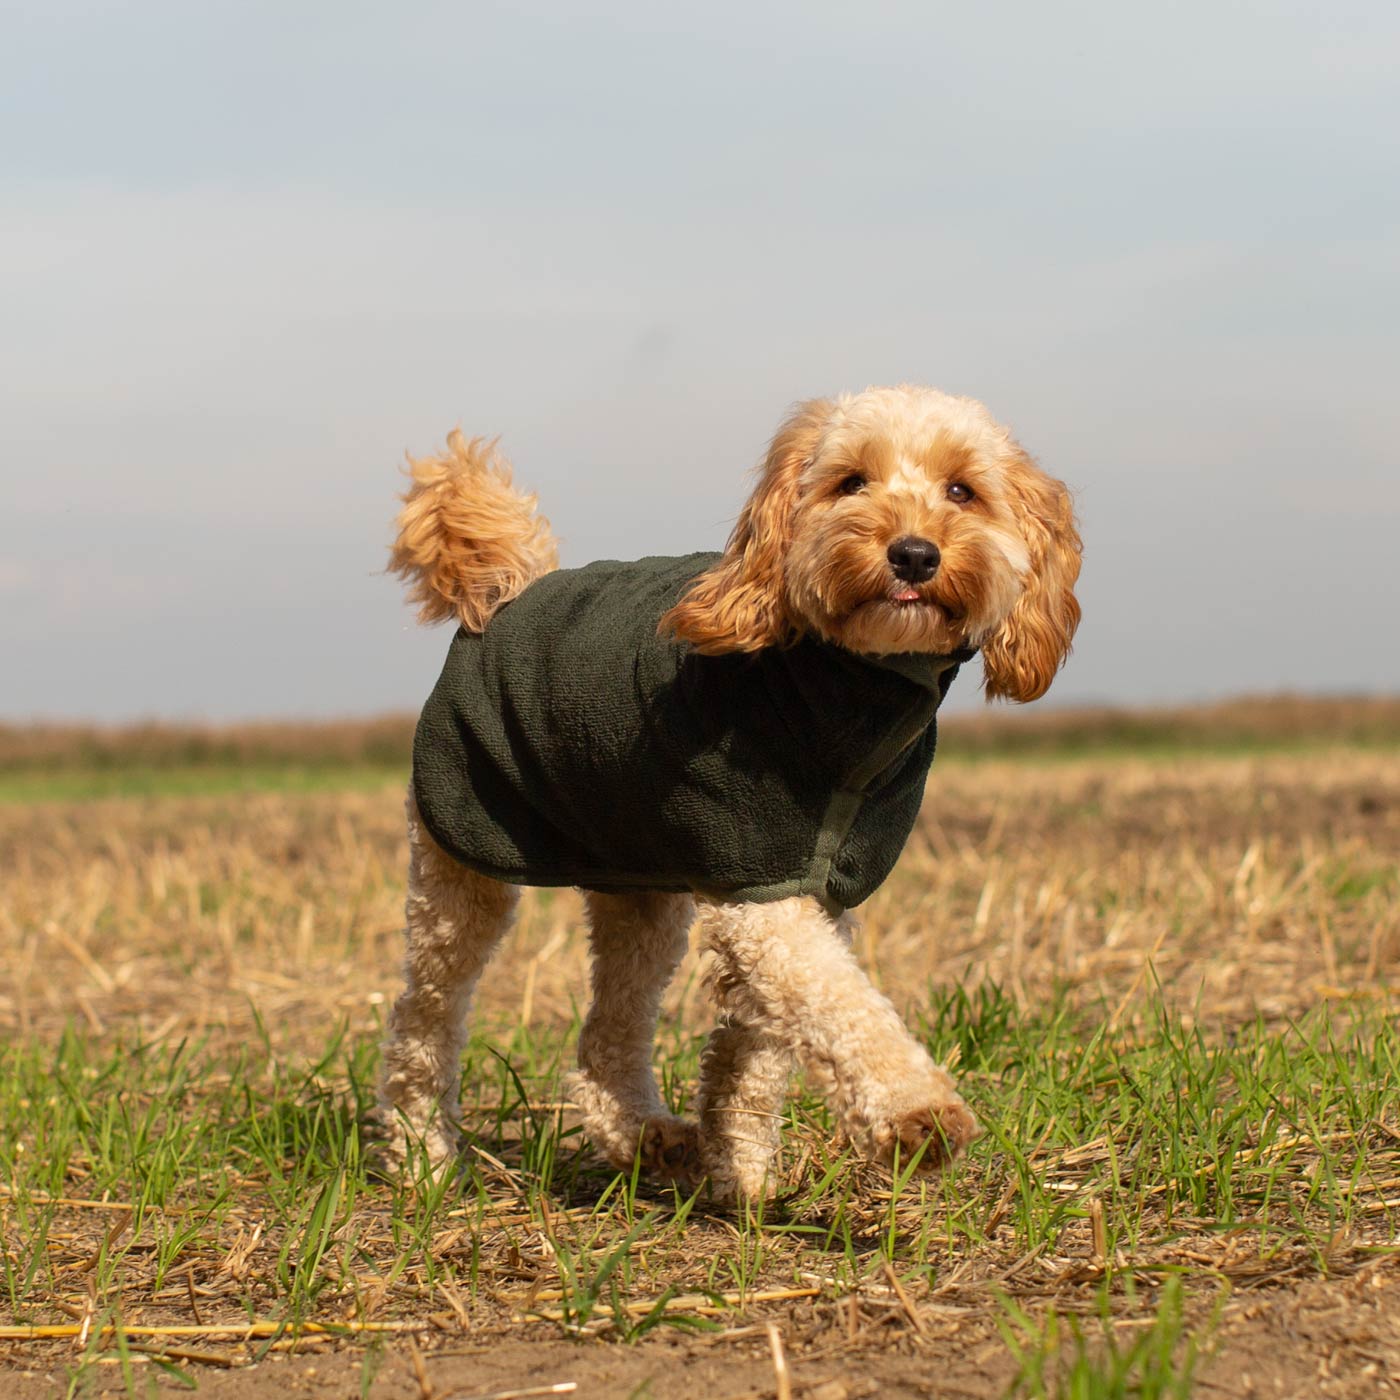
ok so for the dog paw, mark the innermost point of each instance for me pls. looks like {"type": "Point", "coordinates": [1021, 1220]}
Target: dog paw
{"type": "Point", "coordinates": [732, 1185]}
{"type": "Point", "coordinates": [670, 1150]}
{"type": "Point", "coordinates": [947, 1128]}
{"type": "Point", "coordinates": [389, 1154]}
{"type": "Point", "coordinates": [383, 1145]}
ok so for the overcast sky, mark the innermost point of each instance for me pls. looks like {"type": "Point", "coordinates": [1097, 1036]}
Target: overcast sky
{"type": "Point", "coordinates": [251, 253]}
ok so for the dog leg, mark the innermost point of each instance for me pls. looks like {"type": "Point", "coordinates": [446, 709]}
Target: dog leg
{"type": "Point", "coordinates": [786, 974]}
{"type": "Point", "coordinates": [638, 941]}
{"type": "Point", "coordinates": [744, 1074]}
{"type": "Point", "coordinates": [455, 919]}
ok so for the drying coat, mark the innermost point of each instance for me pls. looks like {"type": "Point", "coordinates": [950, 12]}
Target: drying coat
{"type": "Point", "coordinates": [569, 744]}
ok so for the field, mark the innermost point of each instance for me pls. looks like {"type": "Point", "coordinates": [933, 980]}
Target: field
{"type": "Point", "coordinates": [1159, 949]}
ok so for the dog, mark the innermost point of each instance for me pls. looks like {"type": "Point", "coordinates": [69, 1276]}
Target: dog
{"type": "Point", "coordinates": [738, 739]}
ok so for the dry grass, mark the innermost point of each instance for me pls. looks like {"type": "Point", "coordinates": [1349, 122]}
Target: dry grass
{"type": "Point", "coordinates": [1246, 722]}
{"type": "Point", "coordinates": [1168, 984]}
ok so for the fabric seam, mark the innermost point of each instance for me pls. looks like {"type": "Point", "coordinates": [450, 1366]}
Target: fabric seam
{"type": "Point", "coordinates": [846, 801]}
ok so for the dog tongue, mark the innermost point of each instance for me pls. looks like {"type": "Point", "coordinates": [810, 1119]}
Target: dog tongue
{"type": "Point", "coordinates": [907, 595]}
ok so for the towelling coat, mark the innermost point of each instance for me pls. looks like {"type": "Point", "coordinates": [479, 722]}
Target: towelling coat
{"type": "Point", "coordinates": [569, 744]}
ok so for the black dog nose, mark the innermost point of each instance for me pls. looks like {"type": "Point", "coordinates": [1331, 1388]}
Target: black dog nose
{"type": "Point", "coordinates": [913, 560]}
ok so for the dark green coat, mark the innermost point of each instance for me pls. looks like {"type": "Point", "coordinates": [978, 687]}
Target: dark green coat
{"type": "Point", "coordinates": [568, 744]}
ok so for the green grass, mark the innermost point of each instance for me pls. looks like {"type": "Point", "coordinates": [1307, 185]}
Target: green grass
{"type": "Point", "coordinates": [1264, 1148]}
{"type": "Point", "coordinates": [196, 780]}
{"type": "Point", "coordinates": [1040, 751]}
{"type": "Point", "coordinates": [1064, 1357]}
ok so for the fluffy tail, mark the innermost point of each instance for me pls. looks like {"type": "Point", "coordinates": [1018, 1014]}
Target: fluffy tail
{"type": "Point", "coordinates": [468, 541]}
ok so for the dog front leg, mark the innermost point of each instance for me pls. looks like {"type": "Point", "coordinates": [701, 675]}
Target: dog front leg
{"type": "Point", "coordinates": [744, 1074]}
{"type": "Point", "coordinates": [637, 942]}
{"type": "Point", "coordinates": [786, 973]}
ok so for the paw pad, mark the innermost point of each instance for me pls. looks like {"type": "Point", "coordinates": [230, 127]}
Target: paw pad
{"type": "Point", "coordinates": [670, 1149]}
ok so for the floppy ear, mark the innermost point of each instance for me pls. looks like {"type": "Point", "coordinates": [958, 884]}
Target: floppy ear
{"type": "Point", "coordinates": [738, 604]}
{"type": "Point", "coordinates": [1020, 660]}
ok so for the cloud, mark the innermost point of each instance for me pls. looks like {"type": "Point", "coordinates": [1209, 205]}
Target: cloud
{"type": "Point", "coordinates": [16, 577]}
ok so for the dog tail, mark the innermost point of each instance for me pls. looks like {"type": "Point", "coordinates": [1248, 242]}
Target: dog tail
{"type": "Point", "coordinates": [468, 541]}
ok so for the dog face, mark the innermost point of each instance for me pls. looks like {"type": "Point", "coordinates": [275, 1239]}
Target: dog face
{"type": "Point", "coordinates": [898, 520]}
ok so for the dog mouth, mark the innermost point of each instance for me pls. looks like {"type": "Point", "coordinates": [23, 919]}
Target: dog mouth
{"type": "Point", "coordinates": [904, 599]}
{"type": "Point", "coordinates": [904, 618]}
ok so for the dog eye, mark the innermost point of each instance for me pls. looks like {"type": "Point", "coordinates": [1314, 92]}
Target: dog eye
{"type": "Point", "coordinates": [960, 493]}
{"type": "Point", "coordinates": [852, 484]}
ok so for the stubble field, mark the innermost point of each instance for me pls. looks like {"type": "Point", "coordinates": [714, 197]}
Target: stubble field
{"type": "Point", "coordinates": [1159, 950]}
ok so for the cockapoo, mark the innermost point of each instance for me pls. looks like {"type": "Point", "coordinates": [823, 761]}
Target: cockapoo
{"type": "Point", "coordinates": [739, 739]}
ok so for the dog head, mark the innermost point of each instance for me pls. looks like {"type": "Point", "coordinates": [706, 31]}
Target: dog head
{"type": "Point", "coordinates": [898, 520]}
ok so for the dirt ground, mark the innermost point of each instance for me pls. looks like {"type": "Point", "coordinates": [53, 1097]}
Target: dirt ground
{"type": "Point", "coordinates": [1323, 1339]}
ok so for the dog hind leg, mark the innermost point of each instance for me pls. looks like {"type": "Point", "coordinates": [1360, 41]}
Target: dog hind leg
{"type": "Point", "coordinates": [637, 942]}
{"type": "Point", "coordinates": [455, 920]}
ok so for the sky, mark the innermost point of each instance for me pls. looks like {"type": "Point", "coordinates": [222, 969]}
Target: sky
{"type": "Point", "coordinates": [251, 254]}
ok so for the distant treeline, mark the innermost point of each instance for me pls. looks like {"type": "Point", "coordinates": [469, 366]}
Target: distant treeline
{"type": "Point", "coordinates": [386, 740]}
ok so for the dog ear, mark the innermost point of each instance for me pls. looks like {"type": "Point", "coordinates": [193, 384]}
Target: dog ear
{"type": "Point", "coordinates": [1021, 659]}
{"type": "Point", "coordinates": [739, 604]}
